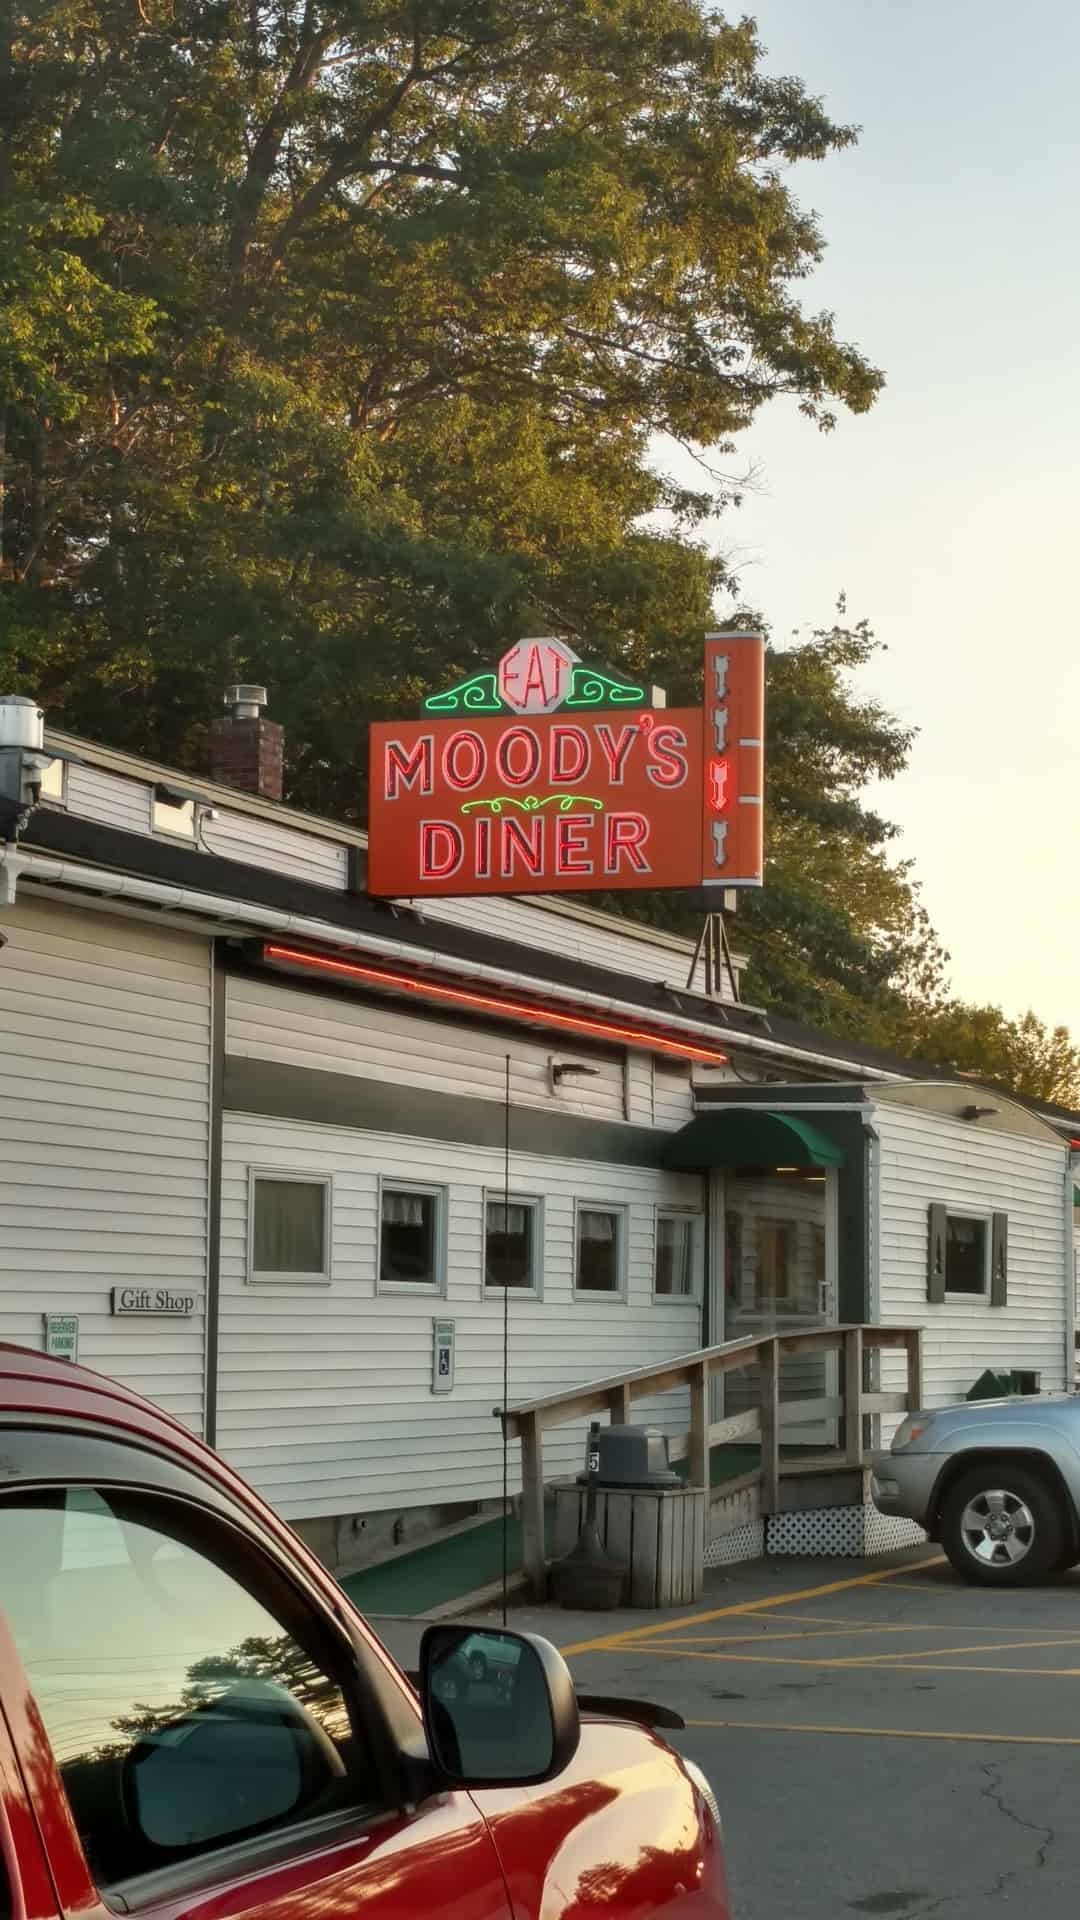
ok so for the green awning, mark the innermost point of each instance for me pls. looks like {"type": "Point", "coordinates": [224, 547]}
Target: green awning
{"type": "Point", "coordinates": [744, 1137]}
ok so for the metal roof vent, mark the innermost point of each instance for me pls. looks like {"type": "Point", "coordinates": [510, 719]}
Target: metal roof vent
{"type": "Point", "coordinates": [22, 722]}
{"type": "Point", "coordinates": [246, 701]}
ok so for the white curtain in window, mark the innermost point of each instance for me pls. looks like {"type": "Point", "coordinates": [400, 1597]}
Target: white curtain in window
{"type": "Point", "coordinates": [289, 1226]}
{"type": "Point", "coordinates": [502, 1219]}
{"type": "Point", "coordinates": [674, 1255]}
{"type": "Point", "coordinates": [597, 1226]}
{"type": "Point", "coordinates": [403, 1209]}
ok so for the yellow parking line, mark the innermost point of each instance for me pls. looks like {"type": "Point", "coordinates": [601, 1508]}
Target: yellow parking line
{"type": "Point", "coordinates": [895, 1733]}
{"type": "Point", "coordinates": [995, 1646]}
{"type": "Point", "coordinates": [606, 1642]}
{"type": "Point", "coordinates": [921, 1626]}
{"type": "Point", "coordinates": [917, 1660]}
{"type": "Point", "coordinates": [805, 1633]}
{"type": "Point", "coordinates": [927, 1586]}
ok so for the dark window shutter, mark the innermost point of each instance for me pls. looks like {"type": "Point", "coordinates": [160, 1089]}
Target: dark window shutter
{"type": "Point", "coordinates": [935, 1253]}
{"type": "Point", "coordinates": [999, 1261]}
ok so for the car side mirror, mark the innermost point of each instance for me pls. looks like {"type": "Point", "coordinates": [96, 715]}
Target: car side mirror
{"type": "Point", "coordinates": [499, 1708]}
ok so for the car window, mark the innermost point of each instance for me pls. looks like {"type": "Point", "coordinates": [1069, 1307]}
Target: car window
{"type": "Point", "coordinates": [184, 1712]}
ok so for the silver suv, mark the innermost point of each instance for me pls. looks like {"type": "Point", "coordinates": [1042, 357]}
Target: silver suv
{"type": "Point", "coordinates": [997, 1482]}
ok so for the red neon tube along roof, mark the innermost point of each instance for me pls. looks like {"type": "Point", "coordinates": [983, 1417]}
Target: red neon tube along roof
{"type": "Point", "coordinates": [589, 1028]}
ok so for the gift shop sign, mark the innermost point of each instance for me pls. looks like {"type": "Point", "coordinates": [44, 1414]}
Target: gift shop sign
{"type": "Point", "coordinates": [548, 776]}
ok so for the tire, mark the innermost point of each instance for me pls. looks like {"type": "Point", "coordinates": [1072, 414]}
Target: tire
{"type": "Point", "coordinates": [1002, 1526]}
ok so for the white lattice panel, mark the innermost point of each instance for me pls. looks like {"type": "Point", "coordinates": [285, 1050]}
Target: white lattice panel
{"type": "Point", "coordinates": [849, 1532]}
{"type": "Point", "coordinates": [746, 1542]}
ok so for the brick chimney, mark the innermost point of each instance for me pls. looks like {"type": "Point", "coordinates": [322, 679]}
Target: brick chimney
{"type": "Point", "coordinates": [246, 750]}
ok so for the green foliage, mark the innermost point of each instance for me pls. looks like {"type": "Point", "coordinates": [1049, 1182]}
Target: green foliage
{"type": "Point", "coordinates": [1024, 1054]}
{"type": "Point", "coordinates": [335, 333]}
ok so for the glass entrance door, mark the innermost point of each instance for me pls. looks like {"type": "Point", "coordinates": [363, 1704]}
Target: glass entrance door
{"type": "Point", "coordinates": [778, 1278]}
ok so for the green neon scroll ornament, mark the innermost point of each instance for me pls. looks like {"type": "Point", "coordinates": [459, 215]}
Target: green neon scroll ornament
{"type": "Point", "coordinates": [532, 802]}
{"type": "Point", "coordinates": [588, 687]}
{"type": "Point", "coordinates": [591, 688]}
{"type": "Point", "coordinates": [477, 695]}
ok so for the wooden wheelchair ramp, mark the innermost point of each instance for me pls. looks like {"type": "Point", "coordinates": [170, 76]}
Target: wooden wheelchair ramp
{"type": "Point", "coordinates": [752, 1477]}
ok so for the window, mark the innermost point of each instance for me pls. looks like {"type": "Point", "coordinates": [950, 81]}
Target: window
{"type": "Point", "coordinates": [410, 1237]}
{"type": "Point", "coordinates": [600, 1236]}
{"type": "Point", "coordinates": [173, 815]}
{"type": "Point", "coordinates": [290, 1228]}
{"type": "Point", "coordinates": [184, 1713]}
{"type": "Point", "coordinates": [967, 1254]}
{"type": "Point", "coordinates": [512, 1244]}
{"type": "Point", "coordinates": [54, 787]}
{"type": "Point", "coordinates": [677, 1268]}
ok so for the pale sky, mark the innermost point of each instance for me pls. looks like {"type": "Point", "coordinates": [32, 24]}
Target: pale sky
{"type": "Point", "coordinates": [947, 513]}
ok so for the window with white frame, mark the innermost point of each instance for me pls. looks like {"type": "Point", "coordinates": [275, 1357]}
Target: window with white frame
{"type": "Point", "coordinates": [512, 1243]}
{"type": "Point", "coordinates": [600, 1252]}
{"type": "Point", "coordinates": [410, 1236]}
{"type": "Point", "coordinates": [677, 1262]}
{"type": "Point", "coordinates": [289, 1237]}
{"type": "Point", "coordinates": [967, 1254]}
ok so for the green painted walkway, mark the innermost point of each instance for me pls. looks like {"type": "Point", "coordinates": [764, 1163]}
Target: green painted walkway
{"type": "Point", "coordinates": [436, 1573]}
{"type": "Point", "coordinates": [444, 1569]}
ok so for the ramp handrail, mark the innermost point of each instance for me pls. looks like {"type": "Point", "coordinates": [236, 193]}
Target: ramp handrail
{"type": "Point", "coordinates": [616, 1394]}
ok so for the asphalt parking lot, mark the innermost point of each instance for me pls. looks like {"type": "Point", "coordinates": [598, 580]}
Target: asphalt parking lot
{"type": "Point", "coordinates": [882, 1739]}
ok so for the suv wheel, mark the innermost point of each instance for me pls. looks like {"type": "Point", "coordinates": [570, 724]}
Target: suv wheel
{"type": "Point", "coordinates": [1002, 1526]}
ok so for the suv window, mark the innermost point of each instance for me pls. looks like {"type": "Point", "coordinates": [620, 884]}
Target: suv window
{"type": "Point", "coordinates": [184, 1713]}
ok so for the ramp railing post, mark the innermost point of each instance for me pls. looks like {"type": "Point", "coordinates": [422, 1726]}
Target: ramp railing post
{"type": "Point", "coordinates": [534, 1557]}
{"type": "Point", "coordinates": [769, 1392]}
{"type": "Point", "coordinates": [853, 1389]}
{"type": "Point", "coordinates": [699, 1426]}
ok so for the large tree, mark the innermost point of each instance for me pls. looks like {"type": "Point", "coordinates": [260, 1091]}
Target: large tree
{"type": "Point", "coordinates": [1024, 1053]}
{"type": "Point", "coordinates": [333, 334]}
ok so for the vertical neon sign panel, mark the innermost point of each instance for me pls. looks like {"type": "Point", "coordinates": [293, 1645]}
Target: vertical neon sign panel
{"type": "Point", "coordinates": [733, 812]}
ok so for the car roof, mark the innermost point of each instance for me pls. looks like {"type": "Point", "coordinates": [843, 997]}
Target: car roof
{"type": "Point", "coordinates": [35, 1384]}
{"type": "Point", "coordinates": [61, 1386]}
{"type": "Point", "coordinates": [46, 1390]}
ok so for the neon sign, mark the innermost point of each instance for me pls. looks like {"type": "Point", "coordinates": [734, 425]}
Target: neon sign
{"type": "Point", "coordinates": [536, 676]}
{"type": "Point", "coordinates": [534, 777]}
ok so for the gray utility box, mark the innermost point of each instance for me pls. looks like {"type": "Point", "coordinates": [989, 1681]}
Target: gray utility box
{"type": "Point", "coordinates": [630, 1457]}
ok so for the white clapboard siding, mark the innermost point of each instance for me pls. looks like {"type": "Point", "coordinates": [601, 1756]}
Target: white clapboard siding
{"type": "Point", "coordinates": [334, 1034]}
{"type": "Point", "coordinates": [598, 940]}
{"type": "Point", "coordinates": [324, 1392]}
{"type": "Point", "coordinates": [94, 794]}
{"type": "Point", "coordinates": [104, 1086]}
{"type": "Point", "coordinates": [265, 843]}
{"type": "Point", "coordinates": [926, 1157]}
{"type": "Point", "coordinates": [673, 1095]}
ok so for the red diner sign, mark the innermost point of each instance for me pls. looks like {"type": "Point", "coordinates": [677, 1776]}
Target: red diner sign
{"type": "Point", "coordinates": [547, 776]}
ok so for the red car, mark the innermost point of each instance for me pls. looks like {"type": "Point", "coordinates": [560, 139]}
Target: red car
{"type": "Point", "coordinates": [195, 1721]}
